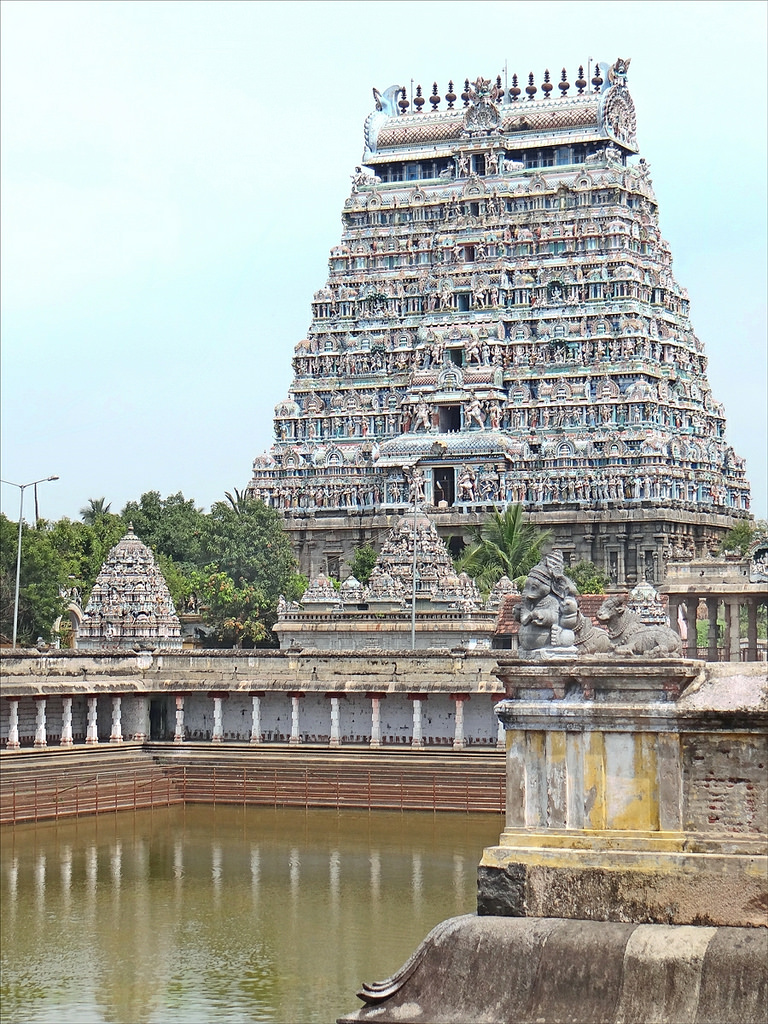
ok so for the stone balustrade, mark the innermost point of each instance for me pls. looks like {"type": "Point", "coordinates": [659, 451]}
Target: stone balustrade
{"type": "Point", "coordinates": [422, 698]}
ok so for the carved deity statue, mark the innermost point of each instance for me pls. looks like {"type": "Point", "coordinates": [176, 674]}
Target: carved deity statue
{"type": "Point", "coordinates": [421, 418]}
{"type": "Point", "coordinates": [474, 412]}
{"type": "Point", "coordinates": [548, 613]}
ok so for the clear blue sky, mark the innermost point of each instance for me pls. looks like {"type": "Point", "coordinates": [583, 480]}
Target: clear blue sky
{"type": "Point", "coordinates": [173, 178]}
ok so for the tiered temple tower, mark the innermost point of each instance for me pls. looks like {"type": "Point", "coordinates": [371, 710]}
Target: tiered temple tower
{"type": "Point", "coordinates": [130, 604]}
{"type": "Point", "coordinates": [501, 324]}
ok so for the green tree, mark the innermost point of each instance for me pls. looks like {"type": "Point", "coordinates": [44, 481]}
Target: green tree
{"type": "Point", "coordinates": [362, 562]}
{"type": "Point", "coordinates": [82, 548]}
{"type": "Point", "coordinates": [42, 576]}
{"type": "Point", "coordinates": [743, 535]}
{"type": "Point", "coordinates": [239, 615]}
{"type": "Point", "coordinates": [505, 544]}
{"type": "Point", "coordinates": [588, 578]}
{"type": "Point", "coordinates": [172, 526]}
{"type": "Point", "coordinates": [249, 564]}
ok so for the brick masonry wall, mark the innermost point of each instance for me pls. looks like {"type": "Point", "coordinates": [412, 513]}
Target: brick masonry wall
{"type": "Point", "coordinates": [725, 783]}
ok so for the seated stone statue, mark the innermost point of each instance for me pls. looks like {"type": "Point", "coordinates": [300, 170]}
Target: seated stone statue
{"type": "Point", "coordinates": [548, 613]}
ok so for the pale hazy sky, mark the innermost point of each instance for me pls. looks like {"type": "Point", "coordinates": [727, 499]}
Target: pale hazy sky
{"type": "Point", "coordinates": [172, 182]}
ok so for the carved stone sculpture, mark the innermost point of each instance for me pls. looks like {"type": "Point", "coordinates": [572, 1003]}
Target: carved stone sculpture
{"type": "Point", "coordinates": [548, 613]}
{"type": "Point", "coordinates": [630, 636]}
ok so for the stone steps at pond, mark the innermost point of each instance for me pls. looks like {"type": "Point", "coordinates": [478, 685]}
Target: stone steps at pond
{"type": "Point", "coordinates": [44, 785]}
{"type": "Point", "coordinates": [49, 784]}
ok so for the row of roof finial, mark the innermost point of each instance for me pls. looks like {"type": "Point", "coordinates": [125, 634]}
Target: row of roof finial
{"type": "Point", "coordinates": [496, 92]}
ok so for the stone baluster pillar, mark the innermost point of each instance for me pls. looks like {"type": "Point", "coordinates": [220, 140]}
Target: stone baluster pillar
{"type": "Point", "coordinates": [751, 629]}
{"type": "Point", "coordinates": [458, 731]}
{"type": "Point", "coordinates": [66, 722]}
{"type": "Point", "coordinates": [712, 603]}
{"type": "Point", "coordinates": [691, 607]}
{"type": "Point", "coordinates": [91, 732]}
{"type": "Point", "coordinates": [218, 726]}
{"type": "Point", "coordinates": [256, 717]}
{"type": "Point", "coordinates": [335, 740]}
{"type": "Point", "coordinates": [295, 704]}
{"type": "Point", "coordinates": [13, 725]}
{"type": "Point", "coordinates": [178, 736]}
{"type": "Point", "coordinates": [376, 699]}
{"type": "Point", "coordinates": [40, 736]}
{"type": "Point", "coordinates": [417, 740]}
{"type": "Point", "coordinates": [734, 636]}
{"type": "Point", "coordinates": [116, 735]}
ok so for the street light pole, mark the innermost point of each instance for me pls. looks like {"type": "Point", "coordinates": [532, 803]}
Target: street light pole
{"type": "Point", "coordinates": [21, 487]}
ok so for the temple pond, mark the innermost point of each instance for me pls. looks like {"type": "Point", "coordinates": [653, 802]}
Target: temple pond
{"type": "Point", "coordinates": [223, 914]}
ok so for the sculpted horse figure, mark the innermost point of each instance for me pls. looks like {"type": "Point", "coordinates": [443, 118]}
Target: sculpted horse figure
{"type": "Point", "coordinates": [631, 636]}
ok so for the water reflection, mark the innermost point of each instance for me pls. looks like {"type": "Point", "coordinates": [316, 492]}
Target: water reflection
{"type": "Point", "coordinates": [225, 915]}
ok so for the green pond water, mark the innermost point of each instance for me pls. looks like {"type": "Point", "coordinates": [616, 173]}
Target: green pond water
{"type": "Point", "coordinates": [202, 914]}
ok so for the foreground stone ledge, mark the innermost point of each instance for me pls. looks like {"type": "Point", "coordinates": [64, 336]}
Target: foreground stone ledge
{"type": "Point", "coordinates": [493, 970]}
{"type": "Point", "coordinates": [614, 886]}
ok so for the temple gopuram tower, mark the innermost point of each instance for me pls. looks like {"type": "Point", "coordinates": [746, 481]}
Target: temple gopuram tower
{"type": "Point", "coordinates": [501, 324]}
{"type": "Point", "coordinates": [130, 605]}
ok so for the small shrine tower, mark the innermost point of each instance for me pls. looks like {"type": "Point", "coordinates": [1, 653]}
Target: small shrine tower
{"type": "Point", "coordinates": [130, 605]}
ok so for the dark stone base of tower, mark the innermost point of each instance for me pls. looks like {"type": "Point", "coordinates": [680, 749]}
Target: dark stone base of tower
{"type": "Point", "coordinates": [632, 544]}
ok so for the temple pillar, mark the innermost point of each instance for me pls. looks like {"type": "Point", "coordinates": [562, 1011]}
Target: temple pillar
{"type": "Point", "coordinates": [458, 731]}
{"type": "Point", "coordinates": [416, 738]}
{"type": "Point", "coordinates": [691, 608]}
{"type": "Point", "coordinates": [91, 731]}
{"type": "Point", "coordinates": [66, 722]}
{"type": "Point", "coordinates": [295, 704]}
{"type": "Point", "coordinates": [752, 604]}
{"type": "Point", "coordinates": [335, 740]}
{"type": "Point", "coordinates": [40, 736]}
{"type": "Point", "coordinates": [141, 725]}
{"type": "Point", "coordinates": [13, 725]}
{"type": "Point", "coordinates": [116, 734]}
{"type": "Point", "coordinates": [734, 631]}
{"type": "Point", "coordinates": [178, 736]}
{"type": "Point", "coordinates": [376, 699]}
{"type": "Point", "coordinates": [674, 608]}
{"type": "Point", "coordinates": [712, 605]}
{"type": "Point", "coordinates": [218, 725]}
{"type": "Point", "coordinates": [256, 717]}
{"type": "Point", "coordinates": [622, 566]}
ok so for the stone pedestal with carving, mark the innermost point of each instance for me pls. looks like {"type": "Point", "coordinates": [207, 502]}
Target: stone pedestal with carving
{"type": "Point", "coordinates": [635, 791]}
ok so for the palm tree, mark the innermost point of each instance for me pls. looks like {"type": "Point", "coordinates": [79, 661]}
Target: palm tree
{"type": "Point", "coordinates": [504, 545]}
{"type": "Point", "coordinates": [239, 501]}
{"type": "Point", "coordinates": [94, 510]}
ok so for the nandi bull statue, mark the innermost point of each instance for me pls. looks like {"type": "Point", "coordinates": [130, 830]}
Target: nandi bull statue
{"type": "Point", "coordinates": [630, 635]}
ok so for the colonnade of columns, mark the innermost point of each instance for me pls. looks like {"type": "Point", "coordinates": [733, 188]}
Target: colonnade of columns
{"type": "Point", "coordinates": [731, 647]}
{"type": "Point", "coordinates": [141, 719]}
